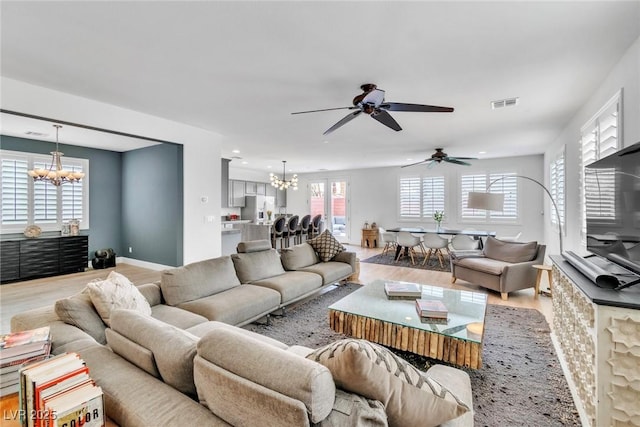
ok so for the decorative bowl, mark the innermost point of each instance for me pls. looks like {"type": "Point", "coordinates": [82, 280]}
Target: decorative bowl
{"type": "Point", "coordinates": [32, 231]}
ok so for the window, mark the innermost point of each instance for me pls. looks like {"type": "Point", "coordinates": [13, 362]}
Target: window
{"type": "Point", "coordinates": [556, 188]}
{"type": "Point", "coordinates": [420, 197]}
{"type": "Point", "coordinates": [504, 183]}
{"type": "Point", "coordinates": [27, 202]}
{"type": "Point", "coordinates": [599, 137]}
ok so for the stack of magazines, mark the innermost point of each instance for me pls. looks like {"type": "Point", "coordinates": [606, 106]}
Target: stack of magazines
{"type": "Point", "coordinates": [58, 392]}
{"type": "Point", "coordinates": [18, 348]}
{"type": "Point", "coordinates": [432, 311]}
{"type": "Point", "coordinates": [402, 290]}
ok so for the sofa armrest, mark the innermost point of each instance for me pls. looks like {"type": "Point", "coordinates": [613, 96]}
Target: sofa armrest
{"type": "Point", "coordinates": [275, 377]}
{"type": "Point", "coordinates": [151, 292]}
{"type": "Point", "coordinates": [461, 254]}
{"type": "Point", "coordinates": [519, 273]}
{"type": "Point", "coordinates": [348, 258]}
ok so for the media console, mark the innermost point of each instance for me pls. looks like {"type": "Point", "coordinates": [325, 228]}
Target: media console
{"type": "Point", "coordinates": [597, 338]}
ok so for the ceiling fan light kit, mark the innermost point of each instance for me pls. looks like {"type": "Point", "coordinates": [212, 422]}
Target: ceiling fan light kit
{"type": "Point", "coordinates": [440, 156]}
{"type": "Point", "coordinates": [284, 183]}
{"type": "Point", "coordinates": [55, 174]}
{"type": "Point", "coordinates": [371, 102]}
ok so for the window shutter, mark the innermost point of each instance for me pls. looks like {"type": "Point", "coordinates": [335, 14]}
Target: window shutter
{"type": "Point", "coordinates": [410, 197]}
{"type": "Point", "coordinates": [509, 187]}
{"type": "Point", "coordinates": [432, 195]}
{"type": "Point", "coordinates": [472, 183]}
{"type": "Point", "coordinates": [557, 185]}
{"type": "Point", "coordinates": [72, 197]}
{"type": "Point", "coordinates": [15, 191]}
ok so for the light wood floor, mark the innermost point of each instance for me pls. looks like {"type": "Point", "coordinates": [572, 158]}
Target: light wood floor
{"type": "Point", "coordinates": [21, 296]}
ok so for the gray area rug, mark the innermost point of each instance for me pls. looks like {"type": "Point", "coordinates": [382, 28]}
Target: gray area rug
{"type": "Point", "coordinates": [521, 382]}
{"type": "Point", "coordinates": [405, 261]}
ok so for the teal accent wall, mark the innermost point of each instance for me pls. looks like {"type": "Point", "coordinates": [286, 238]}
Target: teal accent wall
{"type": "Point", "coordinates": [152, 204]}
{"type": "Point", "coordinates": [135, 198]}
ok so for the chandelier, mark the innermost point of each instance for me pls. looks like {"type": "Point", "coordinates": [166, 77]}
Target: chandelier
{"type": "Point", "coordinates": [55, 174]}
{"type": "Point", "coordinates": [283, 183]}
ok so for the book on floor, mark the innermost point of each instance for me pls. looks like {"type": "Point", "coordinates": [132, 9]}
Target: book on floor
{"type": "Point", "coordinates": [431, 308]}
{"type": "Point", "coordinates": [402, 290]}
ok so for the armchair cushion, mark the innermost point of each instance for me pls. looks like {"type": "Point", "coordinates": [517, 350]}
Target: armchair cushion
{"type": "Point", "coordinates": [512, 252]}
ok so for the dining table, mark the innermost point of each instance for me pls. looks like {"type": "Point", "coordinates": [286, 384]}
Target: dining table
{"type": "Point", "coordinates": [476, 234]}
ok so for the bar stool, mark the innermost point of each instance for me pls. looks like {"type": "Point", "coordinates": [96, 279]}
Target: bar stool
{"type": "Point", "coordinates": [314, 228]}
{"type": "Point", "coordinates": [291, 231]}
{"type": "Point", "coordinates": [277, 231]}
{"type": "Point", "coordinates": [303, 230]}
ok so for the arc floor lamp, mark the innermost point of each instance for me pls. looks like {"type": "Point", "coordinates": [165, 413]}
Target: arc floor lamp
{"type": "Point", "coordinates": [495, 201]}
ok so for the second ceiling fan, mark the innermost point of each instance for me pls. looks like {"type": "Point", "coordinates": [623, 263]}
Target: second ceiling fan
{"type": "Point", "coordinates": [372, 102]}
{"type": "Point", "coordinates": [440, 156]}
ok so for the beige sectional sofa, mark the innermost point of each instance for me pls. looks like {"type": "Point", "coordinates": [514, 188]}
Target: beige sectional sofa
{"type": "Point", "coordinates": [187, 364]}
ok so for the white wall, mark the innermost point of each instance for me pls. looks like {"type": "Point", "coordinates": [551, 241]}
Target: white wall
{"type": "Point", "coordinates": [373, 196]}
{"type": "Point", "coordinates": [625, 75]}
{"type": "Point", "coordinates": [201, 152]}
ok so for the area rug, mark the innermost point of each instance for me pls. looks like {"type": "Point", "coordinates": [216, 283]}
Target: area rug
{"type": "Point", "coordinates": [521, 382]}
{"type": "Point", "coordinates": [405, 261]}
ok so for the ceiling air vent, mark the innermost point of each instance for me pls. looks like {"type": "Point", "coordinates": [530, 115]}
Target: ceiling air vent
{"type": "Point", "coordinates": [509, 102]}
{"type": "Point", "coordinates": [38, 134]}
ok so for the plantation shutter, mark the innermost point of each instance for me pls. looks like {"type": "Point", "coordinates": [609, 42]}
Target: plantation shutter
{"type": "Point", "coordinates": [557, 185]}
{"type": "Point", "coordinates": [45, 199]}
{"type": "Point", "coordinates": [432, 195]}
{"type": "Point", "coordinates": [410, 197]}
{"type": "Point", "coordinates": [72, 207]}
{"type": "Point", "coordinates": [472, 183]}
{"type": "Point", "coordinates": [15, 191]}
{"type": "Point", "coordinates": [599, 138]}
{"type": "Point", "coordinates": [509, 187]}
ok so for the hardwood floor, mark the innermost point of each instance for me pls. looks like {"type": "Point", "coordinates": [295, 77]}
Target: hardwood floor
{"type": "Point", "coordinates": [21, 296]}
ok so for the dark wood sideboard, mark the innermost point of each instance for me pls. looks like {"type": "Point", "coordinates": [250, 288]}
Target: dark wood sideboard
{"type": "Point", "coordinates": [23, 259]}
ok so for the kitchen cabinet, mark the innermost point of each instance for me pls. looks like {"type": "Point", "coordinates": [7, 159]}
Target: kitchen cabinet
{"type": "Point", "coordinates": [236, 193]}
{"type": "Point", "coordinates": [271, 190]}
{"type": "Point", "coordinates": [261, 188]}
{"type": "Point", "coordinates": [281, 198]}
{"type": "Point", "coordinates": [250, 188]}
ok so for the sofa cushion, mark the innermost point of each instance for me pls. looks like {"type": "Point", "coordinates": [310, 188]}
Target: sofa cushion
{"type": "Point", "coordinates": [257, 265]}
{"type": "Point", "coordinates": [253, 246]}
{"type": "Point", "coordinates": [236, 306]}
{"type": "Point", "coordinates": [298, 257]}
{"type": "Point", "coordinates": [172, 349]}
{"type": "Point", "coordinates": [270, 367]}
{"type": "Point", "coordinates": [510, 251]}
{"type": "Point", "coordinates": [410, 397]}
{"type": "Point", "coordinates": [330, 271]}
{"type": "Point", "coordinates": [177, 317]}
{"type": "Point", "coordinates": [326, 246]}
{"type": "Point", "coordinates": [115, 292]}
{"type": "Point", "coordinates": [483, 264]}
{"type": "Point", "coordinates": [292, 285]}
{"type": "Point", "coordinates": [78, 310]}
{"type": "Point", "coordinates": [198, 280]}
{"type": "Point", "coordinates": [350, 409]}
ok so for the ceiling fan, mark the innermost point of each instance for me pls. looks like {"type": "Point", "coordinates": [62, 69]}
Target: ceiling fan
{"type": "Point", "coordinates": [440, 156]}
{"type": "Point", "coordinates": [371, 102]}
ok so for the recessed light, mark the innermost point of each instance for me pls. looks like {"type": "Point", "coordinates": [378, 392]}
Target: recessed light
{"type": "Point", "coordinates": [326, 142]}
{"type": "Point", "coordinates": [245, 163]}
{"type": "Point", "coordinates": [482, 152]}
{"type": "Point", "coordinates": [235, 151]}
{"type": "Point", "coordinates": [269, 167]}
{"type": "Point", "coordinates": [409, 159]}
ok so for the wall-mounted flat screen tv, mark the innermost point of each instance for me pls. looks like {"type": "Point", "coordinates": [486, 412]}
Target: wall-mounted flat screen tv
{"type": "Point", "coordinates": [612, 197]}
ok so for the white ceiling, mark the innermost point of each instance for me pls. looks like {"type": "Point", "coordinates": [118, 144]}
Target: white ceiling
{"type": "Point", "coordinates": [240, 68]}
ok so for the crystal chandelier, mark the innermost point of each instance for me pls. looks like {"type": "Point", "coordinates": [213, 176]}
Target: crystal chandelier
{"type": "Point", "coordinates": [55, 174]}
{"type": "Point", "coordinates": [283, 183]}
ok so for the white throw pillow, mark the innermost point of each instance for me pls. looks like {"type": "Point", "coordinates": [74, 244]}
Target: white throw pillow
{"type": "Point", "coordinates": [116, 291]}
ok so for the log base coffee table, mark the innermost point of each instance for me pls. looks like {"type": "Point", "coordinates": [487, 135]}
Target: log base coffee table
{"type": "Point", "coordinates": [367, 313]}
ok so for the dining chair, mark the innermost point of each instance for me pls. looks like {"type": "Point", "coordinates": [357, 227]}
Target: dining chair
{"type": "Point", "coordinates": [460, 242]}
{"type": "Point", "coordinates": [409, 242]}
{"type": "Point", "coordinates": [387, 238]}
{"type": "Point", "coordinates": [434, 243]}
{"type": "Point", "coordinates": [277, 231]}
{"type": "Point", "coordinates": [303, 229]}
{"type": "Point", "coordinates": [291, 230]}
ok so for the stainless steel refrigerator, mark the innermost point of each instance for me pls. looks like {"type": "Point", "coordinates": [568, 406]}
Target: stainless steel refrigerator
{"type": "Point", "coordinates": [256, 207]}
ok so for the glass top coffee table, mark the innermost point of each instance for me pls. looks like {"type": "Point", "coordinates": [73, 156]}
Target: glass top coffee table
{"type": "Point", "coordinates": [367, 313]}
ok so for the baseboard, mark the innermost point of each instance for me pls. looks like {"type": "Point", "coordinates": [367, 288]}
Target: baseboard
{"type": "Point", "coordinates": [572, 386]}
{"type": "Point", "coordinates": [143, 264]}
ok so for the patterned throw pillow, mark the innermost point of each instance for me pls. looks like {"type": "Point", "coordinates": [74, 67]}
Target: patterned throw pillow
{"type": "Point", "coordinates": [116, 291]}
{"type": "Point", "coordinates": [326, 246]}
{"type": "Point", "coordinates": [409, 396]}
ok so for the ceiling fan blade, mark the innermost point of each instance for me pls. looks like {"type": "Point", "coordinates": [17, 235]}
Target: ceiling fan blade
{"type": "Point", "coordinates": [430, 165]}
{"type": "Point", "coordinates": [342, 122]}
{"type": "Point", "coordinates": [386, 119]}
{"type": "Point", "coordinates": [456, 161]}
{"type": "Point", "coordinates": [325, 109]}
{"type": "Point", "coordinates": [397, 106]}
{"type": "Point", "coordinates": [413, 164]}
{"type": "Point", "coordinates": [464, 158]}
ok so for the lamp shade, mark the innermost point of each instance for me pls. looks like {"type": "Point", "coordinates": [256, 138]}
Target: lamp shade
{"type": "Point", "coordinates": [487, 201]}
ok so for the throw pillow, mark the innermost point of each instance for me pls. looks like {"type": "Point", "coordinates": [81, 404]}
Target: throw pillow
{"type": "Point", "coordinates": [409, 396]}
{"type": "Point", "coordinates": [78, 310]}
{"type": "Point", "coordinates": [326, 246]}
{"type": "Point", "coordinates": [116, 291]}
